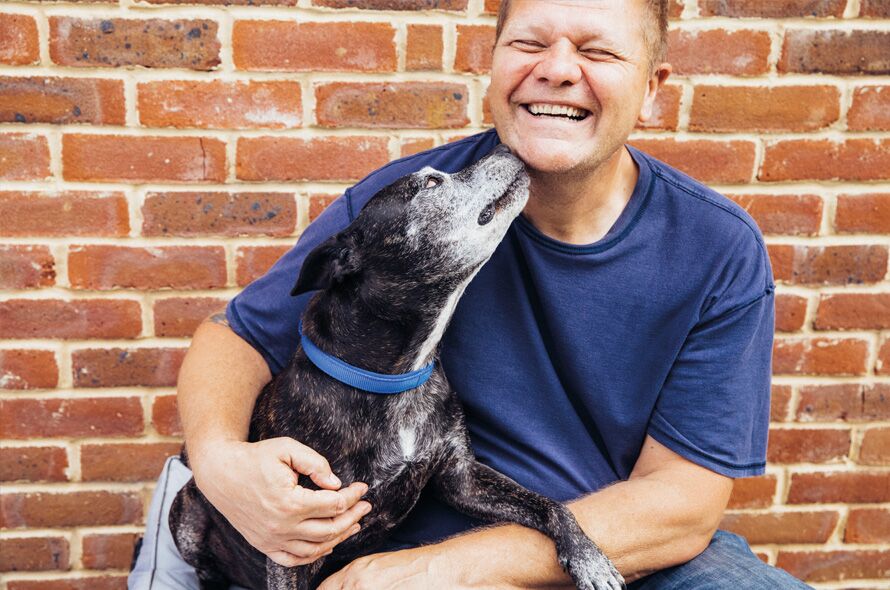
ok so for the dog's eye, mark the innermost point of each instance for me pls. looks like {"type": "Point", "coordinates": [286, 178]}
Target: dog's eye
{"type": "Point", "coordinates": [432, 181]}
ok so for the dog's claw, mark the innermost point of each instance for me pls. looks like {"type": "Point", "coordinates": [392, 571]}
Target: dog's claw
{"type": "Point", "coordinates": [591, 569]}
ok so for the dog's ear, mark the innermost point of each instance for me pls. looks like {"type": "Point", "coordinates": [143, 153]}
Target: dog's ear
{"type": "Point", "coordinates": [330, 262]}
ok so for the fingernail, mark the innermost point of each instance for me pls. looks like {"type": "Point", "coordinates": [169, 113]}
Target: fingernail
{"type": "Point", "coordinates": [366, 508]}
{"type": "Point", "coordinates": [334, 480]}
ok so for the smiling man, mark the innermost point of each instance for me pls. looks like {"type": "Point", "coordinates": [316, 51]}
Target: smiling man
{"type": "Point", "coordinates": [613, 354]}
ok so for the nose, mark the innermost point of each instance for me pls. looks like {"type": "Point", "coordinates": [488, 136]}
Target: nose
{"type": "Point", "coordinates": [558, 65]}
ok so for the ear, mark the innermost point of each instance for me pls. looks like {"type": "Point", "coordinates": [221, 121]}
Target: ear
{"type": "Point", "coordinates": [656, 81]}
{"type": "Point", "coordinates": [330, 262]}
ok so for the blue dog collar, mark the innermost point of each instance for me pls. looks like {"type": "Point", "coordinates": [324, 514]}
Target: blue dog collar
{"type": "Point", "coordinates": [361, 378]}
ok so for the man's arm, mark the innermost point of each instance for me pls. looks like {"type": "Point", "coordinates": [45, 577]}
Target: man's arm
{"type": "Point", "coordinates": [254, 485]}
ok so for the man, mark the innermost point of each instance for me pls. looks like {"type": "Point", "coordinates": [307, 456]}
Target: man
{"type": "Point", "coordinates": [614, 353]}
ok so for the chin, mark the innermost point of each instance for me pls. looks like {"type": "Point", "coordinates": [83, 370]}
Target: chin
{"type": "Point", "coordinates": [552, 156]}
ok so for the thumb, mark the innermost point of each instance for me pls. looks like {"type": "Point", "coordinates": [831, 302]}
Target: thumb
{"type": "Point", "coordinates": [306, 461]}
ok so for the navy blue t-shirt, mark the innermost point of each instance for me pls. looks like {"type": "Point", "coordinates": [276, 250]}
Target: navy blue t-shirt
{"type": "Point", "coordinates": [566, 356]}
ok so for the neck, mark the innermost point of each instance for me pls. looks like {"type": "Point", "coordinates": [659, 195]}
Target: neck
{"type": "Point", "coordinates": [580, 208]}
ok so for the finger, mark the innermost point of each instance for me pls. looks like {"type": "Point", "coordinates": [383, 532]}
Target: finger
{"type": "Point", "coordinates": [335, 581]}
{"type": "Point", "coordinates": [312, 551]}
{"type": "Point", "coordinates": [305, 460]}
{"type": "Point", "coordinates": [327, 503]}
{"type": "Point", "coordinates": [320, 530]}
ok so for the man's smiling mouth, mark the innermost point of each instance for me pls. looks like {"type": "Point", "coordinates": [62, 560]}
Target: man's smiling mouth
{"type": "Point", "coordinates": [553, 110]}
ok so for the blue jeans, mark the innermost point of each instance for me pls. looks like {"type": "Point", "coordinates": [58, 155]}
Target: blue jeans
{"type": "Point", "coordinates": [727, 563]}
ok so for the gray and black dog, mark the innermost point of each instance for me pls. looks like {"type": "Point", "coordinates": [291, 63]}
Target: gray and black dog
{"type": "Point", "coordinates": [388, 285]}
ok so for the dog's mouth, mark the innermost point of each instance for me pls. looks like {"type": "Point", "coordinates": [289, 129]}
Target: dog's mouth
{"type": "Point", "coordinates": [556, 111]}
{"type": "Point", "coordinates": [498, 204]}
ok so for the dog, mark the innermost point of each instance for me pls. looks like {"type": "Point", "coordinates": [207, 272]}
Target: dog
{"type": "Point", "coordinates": [387, 287]}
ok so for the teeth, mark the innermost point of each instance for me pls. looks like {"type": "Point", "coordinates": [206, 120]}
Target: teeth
{"type": "Point", "coordinates": [552, 109]}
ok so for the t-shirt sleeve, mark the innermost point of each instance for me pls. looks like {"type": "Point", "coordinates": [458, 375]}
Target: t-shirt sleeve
{"type": "Point", "coordinates": [713, 408]}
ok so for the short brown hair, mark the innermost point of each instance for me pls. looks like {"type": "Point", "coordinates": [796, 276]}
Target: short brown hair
{"type": "Point", "coordinates": [655, 33]}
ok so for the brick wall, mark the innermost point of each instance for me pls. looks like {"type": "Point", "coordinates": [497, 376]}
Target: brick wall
{"type": "Point", "coordinates": [157, 155]}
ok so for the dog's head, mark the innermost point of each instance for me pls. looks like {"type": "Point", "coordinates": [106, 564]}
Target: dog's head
{"type": "Point", "coordinates": [427, 229]}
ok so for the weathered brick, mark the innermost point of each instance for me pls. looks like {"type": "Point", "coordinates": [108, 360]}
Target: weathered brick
{"type": "Point", "coordinates": [220, 105]}
{"type": "Point", "coordinates": [179, 317]}
{"type": "Point", "coordinates": [26, 267]}
{"type": "Point", "coordinates": [828, 265]}
{"type": "Point", "coordinates": [120, 267]}
{"type": "Point", "coordinates": [882, 363]}
{"type": "Point", "coordinates": [101, 416]}
{"type": "Point", "coordinates": [28, 369]}
{"type": "Point", "coordinates": [839, 486]}
{"type": "Point", "coordinates": [33, 554]}
{"type": "Point", "coordinates": [34, 464]}
{"type": "Point", "coordinates": [790, 312]}
{"type": "Point", "coordinates": [23, 156]}
{"type": "Point", "coordinates": [293, 159]}
{"type": "Point", "coordinates": [794, 215]}
{"type": "Point", "coordinates": [820, 356]}
{"type": "Point", "coordinates": [824, 445]}
{"type": "Point", "coordinates": [165, 416]}
{"type": "Point", "coordinates": [61, 100]}
{"type": "Point", "coordinates": [252, 262]}
{"type": "Point", "coordinates": [424, 48]}
{"type": "Point", "coordinates": [473, 51]}
{"type": "Point", "coordinates": [780, 400]}
{"type": "Point", "coordinates": [308, 47]}
{"type": "Point", "coordinates": [392, 105]}
{"type": "Point", "coordinates": [725, 162]}
{"type": "Point", "coordinates": [850, 402]}
{"type": "Point", "coordinates": [64, 214]}
{"type": "Point", "coordinates": [822, 566]}
{"type": "Point", "coordinates": [869, 213]}
{"type": "Point", "coordinates": [867, 525]}
{"type": "Point", "coordinates": [108, 551]}
{"type": "Point", "coordinates": [783, 527]}
{"type": "Point", "coordinates": [112, 158]}
{"type": "Point", "coordinates": [875, 448]}
{"type": "Point", "coordinates": [219, 214]}
{"type": "Point", "coordinates": [394, 4]}
{"type": "Point", "coordinates": [666, 110]}
{"type": "Point", "coordinates": [753, 492]}
{"type": "Point", "coordinates": [870, 110]}
{"type": "Point", "coordinates": [823, 159]}
{"type": "Point", "coordinates": [111, 582]}
{"type": "Point", "coordinates": [318, 203]}
{"type": "Point", "coordinates": [409, 147]}
{"type": "Point", "coordinates": [126, 367]}
{"type": "Point", "coordinates": [19, 43]}
{"type": "Point", "coordinates": [874, 8]}
{"type": "Point", "coordinates": [835, 52]}
{"type": "Point", "coordinates": [125, 462]}
{"type": "Point", "coordinates": [764, 109]}
{"type": "Point", "coordinates": [851, 311]}
{"type": "Point", "coordinates": [52, 318]}
{"type": "Point", "coordinates": [740, 53]}
{"type": "Point", "coordinates": [152, 43]}
{"type": "Point", "coordinates": [42, 509]}
{"type": "Point", "coordinates": [772, 8]}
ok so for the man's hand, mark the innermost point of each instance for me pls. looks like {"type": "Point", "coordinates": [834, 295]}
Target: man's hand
{"type": "Point", "coordinates": [421, 568]}
{"type": "Point", "coordinates": [254, 485]}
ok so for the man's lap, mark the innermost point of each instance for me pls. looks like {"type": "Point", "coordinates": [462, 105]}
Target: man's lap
{"type": "Point", "coordinates": [727, 563]}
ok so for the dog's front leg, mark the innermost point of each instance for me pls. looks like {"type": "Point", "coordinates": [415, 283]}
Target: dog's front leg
{"type": "Point", "coordinates": [481, 492]}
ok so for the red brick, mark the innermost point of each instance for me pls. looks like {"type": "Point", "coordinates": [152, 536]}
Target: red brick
{"type": "Point", "coordinates": [773, 9]}
{"type": "Point", "coordinates": [828, 265]}
{"type": "Point", "coordinates": [33, 464]}
{"type": "Point", "coordinates": [875, 448]}
{"type": "Point", "coordinates": [318, 203]}
{"type": "Point", "coordinates": [117, 582]}
{"type": "Point", "coordinates": [119, 158]}
{"type": "Point", "coordinates": [822, 566]}
{"type": "Point", "coordinates": [492, 6]}
{"type": "Point", "coordinates": [120, 267]}
{"type": "Point", "coordinates": [823, 159]}
{"type": "Point", "coordinates": [764, 109]}
{"type": "Point", "coordinates": [165, 416]}
{"type": "Point", "coordinates": [41, 509]}
{"type": "Point", "coordinates": [228, 2]}
{"type": "Point", "coordinates": [394, 4]}
{"type": "Point", "coordinates": [835, 52]}
{"type": "Point", "coordinates": [108, 551]}
{"type": "Point", "coordinates": [474, 49]}
{"type": "Point", "coordinates": [740, 53]}
{"type": "Point", "coordinates": [126, 367]}
{"type": "Point", "coordinates": [26, 267]}
{"type": "Point", "coordinates": [851, 311]}
{"type": "Point", "coordinates": [314, 47]}
{"type": "Point", "coordinates": [869, 213]}
{"type": "Point", "coordinates": [870, 110]}
{"type": "Point", "coordinates": [325, 159]}
{"type": "Point", "coordinates": [52, 318]}
{"type": "Point", "coordinates": [824, 445]}
{"type": "Point", "coordinates": [795, 215]}
{"type": "Point", "coordinates": [252, 262]}
{"type": "Point", "coordinates": [220, 105]}
{"type": "Point", "coordinates": [23, 156]}
{"type": "Point", "coordinates": [125, 462]}
{"type": "Point", "coordinates": [791, 311]}
{"type": "Point", "coordinates": [413, 146]}
{"type": "Point", "coordinates": [424, 48]}
{"type": "Point", "coordinates": [152, 43]}
{"type": "Point", "coordinates": [64, 214]}
{"type": "Point", "coordinates": [850, 402]}
{"type": "Point", "coordinates": [820, 356]}
{"type": "Point", "coordinates": [782, 527]}
{"type": "Point", "coordinates": [391, 105]}
{"type": "Point", "coordinates": [874, 8]}
{"type": "Point", "coordinates": [28, 369]}
{"type": "Point", "coordinates": [61, 100]}
{"type": "Point", "coordinates": [19, 44]}
{"type": "Point", "coordinates": [219, 214]}
{"type": "Point", "coordinates": [753, 492]}
{"type": "Point", "coordinates": [868, 525]}
{"type": "Point", "coordinates": [101, 416]}
{"type": "Point", "coordinates": [882, 364]}
{"type": "Point", "coordinates": [33, 554]}
{"type": "Point", "coordinates": [179, 317]}
{"type": "Point", "coordinates": [725, 162]}
{"type": "Point", "coordinates": [780, 399]}
{"type": "Point", "coordinates": [839, 486]}
{"type": "Point", "coordinates": [666, 110]}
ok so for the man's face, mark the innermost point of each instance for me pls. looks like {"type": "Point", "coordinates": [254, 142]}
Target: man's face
{"type": "Point", "coordinates": [588, 55]}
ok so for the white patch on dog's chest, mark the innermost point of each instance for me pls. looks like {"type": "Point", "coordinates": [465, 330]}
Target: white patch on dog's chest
{"type": "Point", "coordinates": [408, 442]}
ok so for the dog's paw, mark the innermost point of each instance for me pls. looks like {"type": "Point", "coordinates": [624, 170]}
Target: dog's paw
{"type": "Point", "coordinates": [591, 569]}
